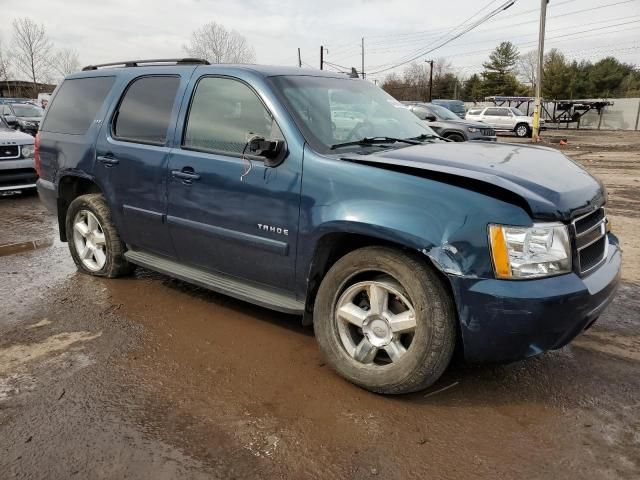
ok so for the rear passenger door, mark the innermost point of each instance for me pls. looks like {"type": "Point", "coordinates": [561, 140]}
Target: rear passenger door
{"type": "Point", "coordinates": [227, 211]}
{"type": "Point", "coordinates": [132, 153]}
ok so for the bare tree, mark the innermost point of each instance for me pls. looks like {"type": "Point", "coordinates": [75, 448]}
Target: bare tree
{"type": "Point", "coordinates": [66, 62]}
{"type": "Point", "coordinates": [32, 50]}
{"type": "Point", "coordinates": [527, 67]}
{"type": "Point", "coordinates": [215, 43]}
{"type": "Point", "coordinates": [5, 67]}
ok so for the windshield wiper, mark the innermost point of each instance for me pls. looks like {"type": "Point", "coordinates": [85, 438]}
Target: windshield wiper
{"type": "Point", "coordinates": [429, 136]}
{"type": "Point", "coordinates": [376, 141]}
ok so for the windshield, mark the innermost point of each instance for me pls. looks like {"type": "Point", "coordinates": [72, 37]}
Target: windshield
{"type": "Point", "coordinates": [27, 111]}
{"type": "Point", "coordinates": [330, 111]}
{"type": "Point", "coordinates": [517, 112]}
{"type": "Point", "coordinates": [443, 113]}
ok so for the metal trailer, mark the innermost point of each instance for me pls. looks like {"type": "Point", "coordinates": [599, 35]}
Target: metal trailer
{"type": "Point", "coordinates": [563, 111]}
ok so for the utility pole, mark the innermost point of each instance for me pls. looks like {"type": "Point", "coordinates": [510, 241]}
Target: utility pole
{"type": "Point", "coordinates": [430, 79]}
{"type": "Point", "coordinates": [538, 107]}
{"type": "Point", "coordinates": [321, 56]}
{"type": "Point", "coordinates": [362, 71]}
{"type": "Point", "coordinates": [299, 59]}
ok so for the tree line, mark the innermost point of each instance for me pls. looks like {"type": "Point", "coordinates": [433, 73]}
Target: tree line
{"type": "Point", "coordinates": [32, 56]}
{"type": "Point", "coordinates": [507, 72]}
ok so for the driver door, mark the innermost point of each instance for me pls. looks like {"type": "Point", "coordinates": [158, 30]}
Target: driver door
{"type": "Point", "coordinates": [228, 212]}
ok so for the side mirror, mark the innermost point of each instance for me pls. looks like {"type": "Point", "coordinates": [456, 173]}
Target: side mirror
{"type": "Point", "coordinates": [430, 117]}
{"type": "Point", "coordinates": [11, 119]}
{"type": "Point", "coordinates": [271, 150]}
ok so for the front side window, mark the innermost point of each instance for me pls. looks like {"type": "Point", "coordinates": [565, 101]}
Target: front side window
{"type": "Point", "coordinates": [504, 112]}
{"type": "Point", "coordinates": [444, 113]}
{"type": "Point", "coordinates": [224, 115]}
{"type": "Point", "coordinates": [492, 112]}
{"type": "Point", "coordinates": [144, 113]}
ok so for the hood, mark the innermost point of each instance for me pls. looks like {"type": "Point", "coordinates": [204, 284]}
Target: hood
{"type": "Point", "coordinates": [14, 137]}
{"type": "Point", "coordinates": [543, 180]}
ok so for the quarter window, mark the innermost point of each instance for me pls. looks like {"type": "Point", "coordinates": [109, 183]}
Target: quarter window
{"type": "Point", "coordinates": [76, 104]}
{"type": "Point", "coordinates": [144, 113]}
{"type": "Point", "coordinates": [224, 114]}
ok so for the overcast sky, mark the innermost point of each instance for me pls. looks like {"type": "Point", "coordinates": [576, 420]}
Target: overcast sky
{"type": "Point", "coordinates": [107, 30]}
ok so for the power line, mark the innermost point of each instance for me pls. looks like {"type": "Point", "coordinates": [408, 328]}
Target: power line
{"type": "Point", "coordinates": [491, 14]}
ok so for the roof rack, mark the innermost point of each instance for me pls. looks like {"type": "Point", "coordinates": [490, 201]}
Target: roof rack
{"type": "Point", "coordinates": [157, 61]}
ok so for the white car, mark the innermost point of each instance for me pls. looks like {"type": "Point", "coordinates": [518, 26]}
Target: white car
{"type": "Point", "coordinates": [504, 119]}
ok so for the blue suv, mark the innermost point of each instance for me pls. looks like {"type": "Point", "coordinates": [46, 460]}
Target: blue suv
{"type": "Point", "coordinates": [396, 245]}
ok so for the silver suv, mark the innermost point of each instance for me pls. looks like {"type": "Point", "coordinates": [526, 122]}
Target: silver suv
{"type": "Point", "coordinates": [17, 170]}
{"type": "Point", "coordinates": [504, 119]}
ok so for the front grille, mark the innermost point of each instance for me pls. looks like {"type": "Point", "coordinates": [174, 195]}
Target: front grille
{"type": "Point", "coordinates": [9, 151]}
{"type": "Point", "coordinates": [591, 242]}
{"type": "Point", "coordinates": [488, 132]}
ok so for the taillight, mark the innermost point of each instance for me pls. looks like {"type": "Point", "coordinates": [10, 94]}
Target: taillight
{"type": "Point", "coordinates": [36, 155]}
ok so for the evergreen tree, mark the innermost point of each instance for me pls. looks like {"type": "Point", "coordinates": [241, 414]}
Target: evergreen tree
{"type": "Point", "coordinates": [498, 75]}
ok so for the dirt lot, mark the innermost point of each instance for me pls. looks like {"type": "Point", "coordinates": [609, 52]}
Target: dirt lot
{"type": "Point", "coordinates": [148, 377]}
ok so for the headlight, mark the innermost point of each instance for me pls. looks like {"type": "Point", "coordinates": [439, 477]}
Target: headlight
{"type": "Point", "coordinates": [530, 252]}
{"type": "Point", "coordinates": [27, 151]}
{"type": "Point", "coordinates": [472, 129]}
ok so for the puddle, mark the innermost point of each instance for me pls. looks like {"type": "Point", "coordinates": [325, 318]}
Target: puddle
{"type": "Point", "coordinates": [13, 248]}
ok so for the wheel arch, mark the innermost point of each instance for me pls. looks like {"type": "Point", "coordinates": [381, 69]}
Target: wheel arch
{"type": "Point", "coordinates": [70, 187]}
{"type": "Point", "coordinates": [446, 132]}
{"type": "Point", "coordinates": [332, 246]}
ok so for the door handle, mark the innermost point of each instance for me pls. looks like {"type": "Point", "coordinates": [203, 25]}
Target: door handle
{"type": "Point", "coordinates": [187, 176]}
{"type": "Point", "coordinates": [108, 160]}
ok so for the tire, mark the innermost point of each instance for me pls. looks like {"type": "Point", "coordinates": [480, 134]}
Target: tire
{"type": "Point", "coordinates": [522, 130]}
{"type": "Point", "coordinates": [103, 237]}
{"type": "Point", "coordinates": [456, 137]}
{"type": "Point", "coordinates": [430, 347]}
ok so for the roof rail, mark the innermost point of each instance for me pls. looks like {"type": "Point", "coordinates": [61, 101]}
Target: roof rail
{"type": "Point", "coordinates": [157, 61]}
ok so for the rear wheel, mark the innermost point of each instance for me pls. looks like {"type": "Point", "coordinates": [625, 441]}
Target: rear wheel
{"type": "Point", "coordinates": [456, 137]}
{"type": "Point", "coordinates": [385, 321]}
{"type": "Point", "coordinates": [522, 130]}
{"type": "Point", "coordinates": [94, 242]}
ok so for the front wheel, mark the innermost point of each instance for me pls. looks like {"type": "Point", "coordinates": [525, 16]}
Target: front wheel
{"type": "Point", "coordinates": [94, 242]}
{"type": "Point", "coordinates": [456, 137]}
{"type": "Point", "coordinates": [523, 130]}
{"type": "Point", "coordinates": [385, 321]}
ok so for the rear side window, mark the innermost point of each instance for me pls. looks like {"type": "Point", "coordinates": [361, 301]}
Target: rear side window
{"type": "Point", "coordinates": [145, 110]}
{"type": "Point", "coordinates": [76, 104]}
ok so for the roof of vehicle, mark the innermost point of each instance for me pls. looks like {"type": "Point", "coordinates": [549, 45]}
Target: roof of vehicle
{"type": "Point", "coordinates": [262, 70]}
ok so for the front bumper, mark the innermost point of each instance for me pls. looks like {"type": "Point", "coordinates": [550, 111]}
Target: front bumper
{"type": "Point", "coordinates": [17, 174]}
{"type": "Point", "coordinates": [503, 320]}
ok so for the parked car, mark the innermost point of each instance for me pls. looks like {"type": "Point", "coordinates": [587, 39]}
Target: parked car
{"type": "Point", "coordinates": [505, 119]}
{"type": "Point", "coordinates": [448, 125]}
{"type": "Point", "coordinates": [396, 245]}
{"type": "Point", "coordinates": [24, 117]}
{"type": "Point", "coordinates": [17, 169]}
{"type": "Point", "coordinates": [456, 106]}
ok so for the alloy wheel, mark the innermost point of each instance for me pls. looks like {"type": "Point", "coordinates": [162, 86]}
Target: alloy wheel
{"type": "Point", "coordinates": [89, 240]}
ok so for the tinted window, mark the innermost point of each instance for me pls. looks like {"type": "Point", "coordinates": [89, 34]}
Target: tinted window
{"type": "Point", "coordinates": [76, 104]}
{"type": "Point", "coordinates": [224, 114]}
{"type": "Point", "coordinates": [492, 112]}
{"type": "Point", "coordinates": [145, 110]}
{"type": "Point", "coordinates": [504, 112]}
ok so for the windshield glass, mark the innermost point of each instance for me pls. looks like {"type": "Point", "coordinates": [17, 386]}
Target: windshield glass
{"type": "Point", "coordinates": [27, 111]}
{"type": "Point", "coordinates": [330, 111]}
{"type": "Point", "coordinates": [443, 113]}
{"type": "Point", "coordinates": [517, 112]}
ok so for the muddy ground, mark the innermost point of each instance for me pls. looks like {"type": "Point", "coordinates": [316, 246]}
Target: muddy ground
{"type": "Point", "coordinates": [148, 377]}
